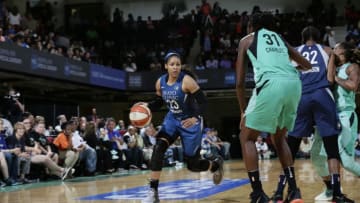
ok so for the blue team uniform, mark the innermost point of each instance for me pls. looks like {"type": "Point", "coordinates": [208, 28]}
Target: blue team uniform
{"type": "Point", "coordinates": [181, 106]}
{"type": "Point", "coordinates": [317, 105]}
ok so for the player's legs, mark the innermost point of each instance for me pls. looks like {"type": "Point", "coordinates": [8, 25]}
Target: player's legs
{"type": "Point", "coordinates": [191, 140]}
{"type": "Point", "coordinates": [302, 128]}
{"type": "Point", "coordinates": [165, 137]}
{"type": "Point", "coordinates": [347, 139]}
{"type": "Point", "coordinates": [248, 137]}
{"type": "Point", "coordinates": [286, 160]}
{"type": "Point", "coordinates": [270, 108]}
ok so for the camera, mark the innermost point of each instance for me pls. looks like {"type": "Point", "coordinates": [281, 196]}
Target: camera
{"type": "Point", "coordinates": [14, 96]}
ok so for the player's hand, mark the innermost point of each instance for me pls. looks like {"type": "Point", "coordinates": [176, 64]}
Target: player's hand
{"type": "Point", "coordinates": [189, 122]}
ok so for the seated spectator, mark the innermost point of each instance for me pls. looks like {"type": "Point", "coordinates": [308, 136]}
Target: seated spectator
{"type": "Point", "coordinates": [2, 38]}
{"type": "Point", "coordinates": [112, 146]}
{"type": "Point", "coordinates": [42, 152]}
{"type": "Point", "coordinates": [5, 127]}
{"type": "Point", "coordinates": [87, 154]}
{"type": "Point", "coordinates": [178, 151]}
{"type": "Point", "coordinates": [357, 148]}
{"type": "Point", "coordinates": [16, 144]}
{"type": "Point", "coordinates": [262, 148]}
{"type": "Point", "coordinates": [64, 144]}
{"type": "Point", "coordinates": [225, 62]}
{"type": "Point", "coordinates": [212, 62]}
{"type": "Point", "coordinates": [10, 158]}
{"type": "Point", "coordinates": [61, 119]}
{"type": "Point", "coordinates": [134, 153]}
{"type": "Point", "coordinates": [208, 150]}
{"type": "Point", "coordinates": [305, 147]}
{"type": "Point", "coordinates": [149, 138]}
{"type": "Point", "coordinates": [5, 171]}
{"type": "Point", "coordinates": [129, 65]}
{"type": "Point", "coordinates": [199, 64]}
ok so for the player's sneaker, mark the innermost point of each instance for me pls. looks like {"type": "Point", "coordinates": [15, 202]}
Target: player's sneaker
{"type": "Point", "coordinates": [326, 195]}
{"type": "Point", "coordinates": [259, 198]}
{"type": "Point", "coordinates": [219, 173]}
{"type": "Point", "coordinates": [342, 199]}
{"type": "Point", "coordinates": [277, 198]}
{"type": "Point", "coordinates": [294, 196]}
{"type": "Point", "coordinates": [152, 197]}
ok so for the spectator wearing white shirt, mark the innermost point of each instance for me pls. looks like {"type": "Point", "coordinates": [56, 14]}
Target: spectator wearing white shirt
{"type": "Point", "coordinates": [262, 148]}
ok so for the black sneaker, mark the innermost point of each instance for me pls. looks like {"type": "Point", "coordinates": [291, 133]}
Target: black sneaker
{"type": "Point", "coordinates": [294, 196]}
{"type": "Point", "coordinates": [219, 173]}
{"type": "Point", "coordinates": [259, 198]}
{"type": "Point", "coordinates": [277, 198]}
{"type": "Point", "coordinates": [342, 199]}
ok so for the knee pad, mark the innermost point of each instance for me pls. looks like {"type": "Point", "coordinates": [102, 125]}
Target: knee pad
{"type": "Point", "coordinates": [332, 147]}
{"type": "Point", "coordinates": [158, 155]}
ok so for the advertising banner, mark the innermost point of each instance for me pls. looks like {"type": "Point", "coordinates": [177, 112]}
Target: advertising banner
{"type": "Point", "coordinates": [107, 77]}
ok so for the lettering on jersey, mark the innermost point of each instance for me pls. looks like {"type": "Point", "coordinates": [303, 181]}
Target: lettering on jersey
{"type": "Point", "coordinates": [312, 70]}
{"type": "Point", "coordinates": [276, 49]}
{"type": "Point", "coordinates": [187, 189]}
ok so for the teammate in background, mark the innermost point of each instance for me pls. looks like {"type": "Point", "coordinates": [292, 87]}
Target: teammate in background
{"type": "Point", "coordinates": [317, 107]}
{"type": "Point", "coordinates": [272, 107]}
{"type": "Point", "coordinates": [186, 103]}
{"type": "Point", "coordinates": [343, 72]}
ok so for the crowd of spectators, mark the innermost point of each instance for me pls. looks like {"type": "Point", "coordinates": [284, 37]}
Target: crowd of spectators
{"type": "Point", "coordinates": [139, 44]}
{"type": "Point", "coordinates": [79, 146]}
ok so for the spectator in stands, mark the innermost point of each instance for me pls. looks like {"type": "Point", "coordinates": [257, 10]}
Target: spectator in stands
{"type": "Point", "coordinates": [329, 37]}
{"type": "Point", "coordinates": [305, 147]}
{"type": "Point", "coordinates": [87, 154]}
{"type": "Point", "coordinates": [129, 64]}
{"type": "Point", "coordinates": [113, 145]}
{"type": "Point", "coordinates": [61, 120]}
{"type": "Point", "coordinates": [199, 64]}
{"type": "Point", "coordinates": [262, 148]}
{"type": "Point", "coordinates": [2, 38]}
{"type": "Point", "coordinates": [212, 62]}
{"type": "Point", "coordinates": [357, 148]}
{"type": "Point", "coordinates": [17, 144]}
{"type": "Point", "coordinates": [15, 18]}
{"type": "Point", "coordinates": [134, 153]}
{"type": "Point", "coordinates": [4, 170]}
{"type": "Point", "coordinates": [6, 128]}
{"type": "Point", "coordinates": [225, 62]}
{"type": "Point", "coordinates": [41, 151]}
{"type": "Point", "coordinates": [64, 144]}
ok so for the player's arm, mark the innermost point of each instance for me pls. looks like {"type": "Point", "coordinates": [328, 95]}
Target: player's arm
{"type": "Point", "coordinates": [298, 58]}
{"type": "Point", "coordinates": [158, 101]}
{"type": "Point", "coordinates": [241, 64]}
{"type": "Point", "coordinates": [191, 86]}
{"type": "Point", "coordinates": [331, 69]}
{"type": "Point", "coordinates": [352, 82]}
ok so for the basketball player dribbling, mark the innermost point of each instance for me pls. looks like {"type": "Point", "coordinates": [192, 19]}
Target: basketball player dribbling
{"type": "Point", "coordinates": [186, 103]}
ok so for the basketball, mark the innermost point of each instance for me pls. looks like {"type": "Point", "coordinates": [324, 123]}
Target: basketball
{"type": "Point", "coordinates": [140, 116]}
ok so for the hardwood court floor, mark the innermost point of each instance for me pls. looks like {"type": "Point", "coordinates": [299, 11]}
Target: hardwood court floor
{"type": "Point", "coordinates": [70, 191]}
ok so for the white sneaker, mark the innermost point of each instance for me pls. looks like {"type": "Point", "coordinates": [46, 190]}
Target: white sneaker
{"type": "Point", "coordinates": [67, 173]}
{"type": "Point", "coordinates": [326, 195]}
{"type": "Point", "coordinates": [152, 197]}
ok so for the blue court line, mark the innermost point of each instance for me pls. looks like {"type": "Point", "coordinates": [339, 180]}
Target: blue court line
{"type": "Point", "coordinates": [185, 189]}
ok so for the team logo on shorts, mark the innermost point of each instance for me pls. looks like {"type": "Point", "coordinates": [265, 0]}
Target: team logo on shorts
{"type": "Point", "coordinates": [174, 190]}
